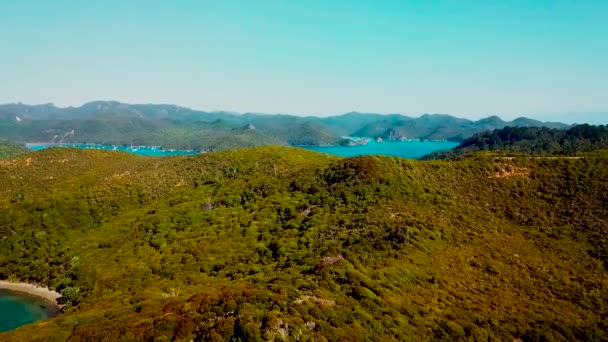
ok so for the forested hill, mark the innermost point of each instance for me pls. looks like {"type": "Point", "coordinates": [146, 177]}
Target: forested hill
{"type": "Point", "coordinates": [277, 243]}
{"type": "Point", "coordinates": [8, 150]}
{"type": "Point", "coordinates": [171, 126]}
{"type": "Point", "coordinates": [533, 140]}
{"type": "Point", "coordinates": [440, 127]}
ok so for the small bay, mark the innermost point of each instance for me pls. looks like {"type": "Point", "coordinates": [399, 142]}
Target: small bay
{"type": "Point", "coordinates": [151, 151]}
{"type": "Point", "coordinates": [17, 309]}
{"type": "Point", "coordinates": [405, 149]}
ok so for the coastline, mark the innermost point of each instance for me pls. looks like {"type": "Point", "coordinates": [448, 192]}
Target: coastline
{"type": "Point", "coordinates": [148, 151]}
{"type": "Point", "coordinates": [48, 296]}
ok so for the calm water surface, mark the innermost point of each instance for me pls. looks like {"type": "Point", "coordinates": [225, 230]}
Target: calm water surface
{"type": "Point", "coordinates": [18, 309]}
{"type": "Point", "coordinates": [403, 149]}
{"type": "Point", "coordinates": [151, 151]}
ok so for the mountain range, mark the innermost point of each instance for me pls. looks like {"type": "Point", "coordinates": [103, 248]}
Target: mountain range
{"type": "Point", "coordinates": [171, 126]}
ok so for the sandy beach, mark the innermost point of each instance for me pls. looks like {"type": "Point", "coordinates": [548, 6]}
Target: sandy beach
{"type": "Point", "coordinates": [38, 291]}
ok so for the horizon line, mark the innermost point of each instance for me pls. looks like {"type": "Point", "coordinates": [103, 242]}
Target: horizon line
{"type": "Point", "coordinates": [317, 115]}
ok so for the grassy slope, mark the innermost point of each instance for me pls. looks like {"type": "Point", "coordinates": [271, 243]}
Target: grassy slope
{"type": "Point", "coordinates": [269, 242]}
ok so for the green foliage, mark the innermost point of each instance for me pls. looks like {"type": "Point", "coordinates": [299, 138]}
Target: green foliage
{"type": "Point", "coordinates": [439, 127]}
{"type": "Point", "coordinates": [532, 140]}
{"type": "Point", "coordinates": [278, 243]}
{"type": "Point", "coordinates": [8, 150]}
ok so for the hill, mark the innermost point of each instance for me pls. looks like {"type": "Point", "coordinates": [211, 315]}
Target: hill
{"type": "Point", "coordinates": [171, 126]}
{"type": "Point", "coordinates": [532, 140]}
{"type": "Point", "coordinates": [441, 127]}
{"type": "Point", "coordinates": [157, 125]}
{"type": "Point", "coordinates": [8, 150]}
{"type": "Point", "coordinates": [277, 243]}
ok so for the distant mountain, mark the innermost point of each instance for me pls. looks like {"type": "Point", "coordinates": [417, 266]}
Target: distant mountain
{"type": "Point", "coordinates": [347, 124]}
{"type": "Point", "coordinates": [533, 140]}
{"type": "Point", "coordinates": [172, 126]}
{"type": "Point", "coordinates": [379, 127]}
{"type": "Point", "coordinates": [596, 117]}
{"type": "Point", "coordinates": [441, 127]}
{"type": "Point", "coordinates": [525, 122]}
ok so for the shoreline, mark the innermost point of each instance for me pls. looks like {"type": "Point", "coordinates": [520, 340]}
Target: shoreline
{"type": "Point", "coordinates": [47, 296]}
{"type": "Point", "coordinates": [109, 147]}
{"type": "Point", "coordinates": [383, 142]}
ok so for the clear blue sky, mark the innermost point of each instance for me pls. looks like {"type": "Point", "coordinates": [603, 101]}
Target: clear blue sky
{"type": "Point", "coordinates": [468, 58]}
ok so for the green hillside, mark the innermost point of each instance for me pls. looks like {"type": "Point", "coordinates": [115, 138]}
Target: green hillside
{"type": "Point", "coordinates": [278, 243]}
{"type": "Point", "coordinates": [532, 141]}
{"type": "Point", "coordinates": [8, 150]}
{"type": "Point", "coordinates": [441, 127]}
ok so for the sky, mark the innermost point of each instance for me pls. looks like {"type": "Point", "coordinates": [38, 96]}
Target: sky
{"type": "Point", "coordinates": [540, 58]}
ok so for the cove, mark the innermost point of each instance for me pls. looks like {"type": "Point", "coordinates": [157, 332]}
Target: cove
{"type": "Point", "coordinates": [17, 309]}
{"type": "Point", "coordinates": [404, 149]}
{"type": "Point", "coordinates": [151, 151]}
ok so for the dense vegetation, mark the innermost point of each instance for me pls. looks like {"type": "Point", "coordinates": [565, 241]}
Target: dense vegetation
{"type": "Point", "coordinates": [278, 243]}
{"type": "Point", "coordinates": [533, 140]}
{"type": "Point", "coordinates": [183, 128]}
{"type": "Point", "coordinates": [8, 150]}
{"type": "Point", "coordinates": [440, 127]}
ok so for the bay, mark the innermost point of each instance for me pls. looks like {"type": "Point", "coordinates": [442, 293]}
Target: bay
{"type": "Point", "coordinates": [404, 149]}
{"type": "Point", "coordinates": [18, 309]}
{"type": "Point", "coordinates": [151, 151]}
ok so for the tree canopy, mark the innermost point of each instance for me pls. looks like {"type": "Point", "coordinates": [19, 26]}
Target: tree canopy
{"type": "Point", "coordinates": [533, 140]}
{"type": "Point", "coordinates": [277, 243]}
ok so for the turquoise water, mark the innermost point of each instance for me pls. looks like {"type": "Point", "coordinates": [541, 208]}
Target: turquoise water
{"type": "Point", "coordinates": [403, 149]}
{"type": "Point", "coordinates": [17, 310]}
{"type": "Point", "coordinates": [152, 151]}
